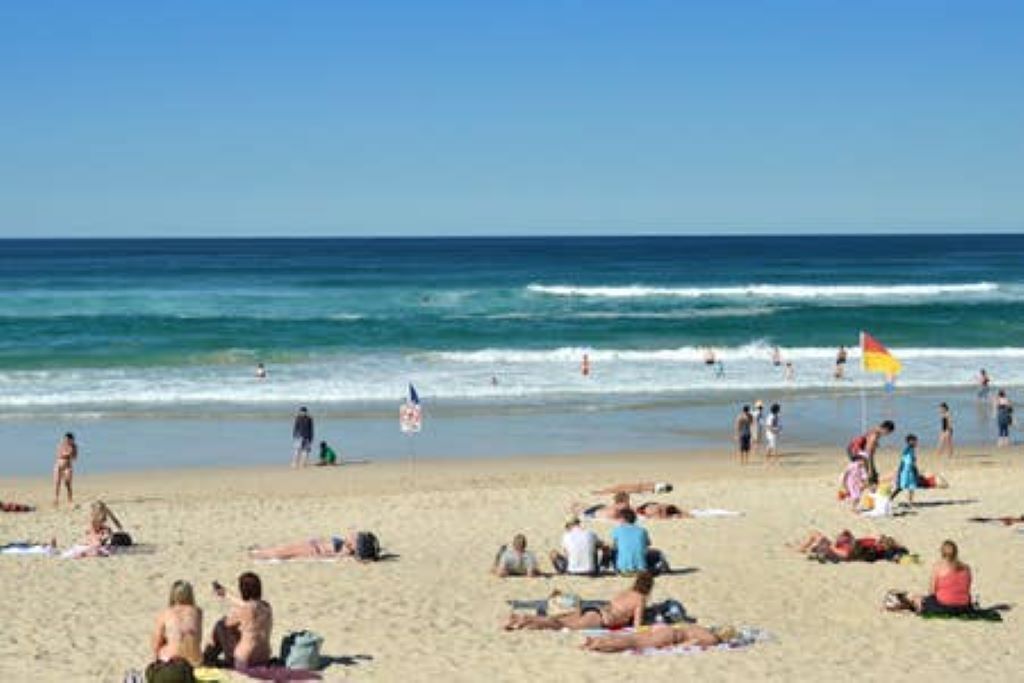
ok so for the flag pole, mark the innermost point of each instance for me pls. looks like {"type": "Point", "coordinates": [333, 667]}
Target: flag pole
{"type": "Point", "coordinates": [863, 391]}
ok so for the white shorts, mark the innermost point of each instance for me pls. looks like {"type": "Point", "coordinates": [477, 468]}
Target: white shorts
{"type": "Point", "coordinates": [772, 440]}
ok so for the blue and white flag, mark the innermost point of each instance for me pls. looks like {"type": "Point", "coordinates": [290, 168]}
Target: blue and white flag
{"type": "Point", "coordinates": [410, 415]}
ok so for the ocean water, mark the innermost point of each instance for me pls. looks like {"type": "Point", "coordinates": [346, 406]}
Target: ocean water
{"type": "Point", "coordinates": [102, 327]}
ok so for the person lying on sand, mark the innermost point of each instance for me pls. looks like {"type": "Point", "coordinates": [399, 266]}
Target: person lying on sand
{"type": "Point", "coordinates": [1005, 521]}
{"type": "Point", "coordinates": [620, 502]}
{"type": "Point", "coordinates": [515, 560]}
{"type": "Point", "coordinates": [846, 548]}
{"type": "Point", "coordinates": [361, 545]}
{"type": "Point", "coordinates": [660, 636]}
{"type": "Point", "coordinates": [15, 507]}
{"type": "Point", "coordinates": [625, 609]}
{"type": "Point", "coordinates": [653, 510]}
{"type": "Point", "coordinates": [639, 487]}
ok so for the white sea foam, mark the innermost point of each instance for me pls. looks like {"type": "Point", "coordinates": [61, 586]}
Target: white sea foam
{"type": "Point", "coordinates": [543, 374]}
{"type": "Point", "coordinates": [769, 291]}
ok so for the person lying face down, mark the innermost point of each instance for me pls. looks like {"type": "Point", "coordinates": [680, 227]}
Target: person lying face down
{"type": "Point", "coordinates": [515, 560]}
{"type": "Point", "coordinates": [661, 636]}
{"type": "Point", "coordinates": [847, 548]}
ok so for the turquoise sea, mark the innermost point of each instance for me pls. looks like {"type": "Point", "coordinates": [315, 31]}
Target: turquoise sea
{"type": "Point", "coordinates": [146, 329]}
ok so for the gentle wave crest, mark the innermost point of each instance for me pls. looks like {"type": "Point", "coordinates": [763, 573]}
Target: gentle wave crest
{"type": "Point", "coordinates": [767, 291]}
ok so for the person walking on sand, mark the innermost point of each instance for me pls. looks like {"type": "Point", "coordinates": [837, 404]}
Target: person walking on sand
{"type": "Point", "coordinates": [772, 430]}
{"type": "Point", "coordinates": [63, 468]}
{"type": "Point", "coordinates": [743, 433]}
{"type": "Point", "coordinates": [945, 446]}
{"type": "Point", "coordinates": [302, 434]}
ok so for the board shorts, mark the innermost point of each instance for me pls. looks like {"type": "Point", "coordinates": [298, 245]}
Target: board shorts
{"type": "Point", "coordinates": [744, 442]}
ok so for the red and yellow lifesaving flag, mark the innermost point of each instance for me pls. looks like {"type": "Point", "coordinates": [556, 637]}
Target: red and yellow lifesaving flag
{"type": "Point", "coordinates": [876, 358]}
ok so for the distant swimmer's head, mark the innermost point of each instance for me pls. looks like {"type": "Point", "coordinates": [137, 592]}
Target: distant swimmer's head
{"type": "Point", "coordinates": [888, 426]}
{"type": "Point", "coordinates": [181, 594]}
{"type": "Point", "coordinates": [775, 409]}
{"type": "Point", "coordinates": [663, 487]}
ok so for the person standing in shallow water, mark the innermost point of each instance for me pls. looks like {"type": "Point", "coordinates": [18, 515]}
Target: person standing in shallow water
{"type": "Point", "coordinates": [744, 421]}
{"type": "Point", "coordinates": [945, 446]}
{"type": "Point", "coordinates": [302, 434]}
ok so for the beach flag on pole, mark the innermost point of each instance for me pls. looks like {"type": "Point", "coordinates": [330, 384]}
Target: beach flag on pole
{"type": "Point", "coordinates": [876, 358]}
{"type": "Point", "coordinates": [410, 415]}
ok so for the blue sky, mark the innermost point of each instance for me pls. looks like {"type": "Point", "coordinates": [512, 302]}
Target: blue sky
{"type": "Point", "coordinates": [432, 118]}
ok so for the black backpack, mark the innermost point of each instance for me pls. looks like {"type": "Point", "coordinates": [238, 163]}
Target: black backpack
{"type": "Point", "coordinates": [367, 546]}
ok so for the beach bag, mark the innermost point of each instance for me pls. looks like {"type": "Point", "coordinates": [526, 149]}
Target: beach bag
{"type": "Point", "coordinates": [301, 650]}
{"type": "Point", "coordinates": [672, 612]}
{"type": "Point", "coordinates": [175, 671]}
{"type": "Point", "coordinates": [120, 539]}
{"type": "Point", "coordinates": [367, 546]}
{"type": "Point", "coordinates": [560, 604]}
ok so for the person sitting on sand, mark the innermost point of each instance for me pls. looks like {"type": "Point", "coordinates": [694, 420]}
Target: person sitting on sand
{"type": "Point", "coordinates": [620, 502]}
{"type": "Point", "coordinates": [631, 550]}
{"type": "Point", "coordinates": [179, 628]}
{"type": "Point", "coordinates": [243, 636]}
{"type": "Point", "coordinates": [661, 636]}
{"type": "Point", "coordinates": [625, 609]}
{"type": "Point", "coordinates": [654, 510]}
{"type": "Point", "coordinates": [950, 587]}
{"type": "Point", "coordinates": [847, 548]}
{"type": "Point", "coordinates": [327, 455]}
{"type": "Point", "coordinates": [515, 560]}
{"type": "Point", "coordinates": [353, 544]}
{"type": "Point", "coordinates": [580, 550]}
{"type": "Point", "coordinates": [639, 487]}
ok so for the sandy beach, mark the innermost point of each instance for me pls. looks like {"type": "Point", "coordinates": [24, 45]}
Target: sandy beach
{"type": "Point", "coordinates": [434, 612]}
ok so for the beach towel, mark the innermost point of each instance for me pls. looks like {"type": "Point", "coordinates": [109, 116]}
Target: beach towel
{"type": "Point", "coordinates": [26, 549]}
{"type": "Point", "coordinates": [976, 614]}
{"type": "Point", "coordinates": [540, 607]}
{"type": "Point", "coordinates": [714, 512]}
{"type": "Point", "coordinates": [278, 674]}
{"type": "Point", "coordinates": [746, 637]}
{"type": "Point", "coordinates": [209, 674]}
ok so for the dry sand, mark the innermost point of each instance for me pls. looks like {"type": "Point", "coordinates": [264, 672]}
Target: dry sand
{"type": "Point", "coordinates": [434, 612]}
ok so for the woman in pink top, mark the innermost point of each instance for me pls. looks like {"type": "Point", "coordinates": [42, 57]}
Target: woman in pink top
{"type": "Point", "coordinates": [951, 586]}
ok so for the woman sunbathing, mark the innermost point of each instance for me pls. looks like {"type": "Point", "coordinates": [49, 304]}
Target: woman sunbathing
{"type": "Point", "coordinates": [846, 548]}
{"type": "Point", "coordinates": [661, 635]}
{"type": "Point", "coordinates": [625, 609]}
{"type": "Point", "coordinates": [950, 587]}
{"type": "Point", "coordinates": [620, 502]}
{"type": "Point", "coordinates": [15, 507]}
{"type": "Point", "coordinates": [653, 510]}
{"type": "Point", "coordinates": [639, 487]}
{"type": "Point", "coordinates": [335, 546]}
